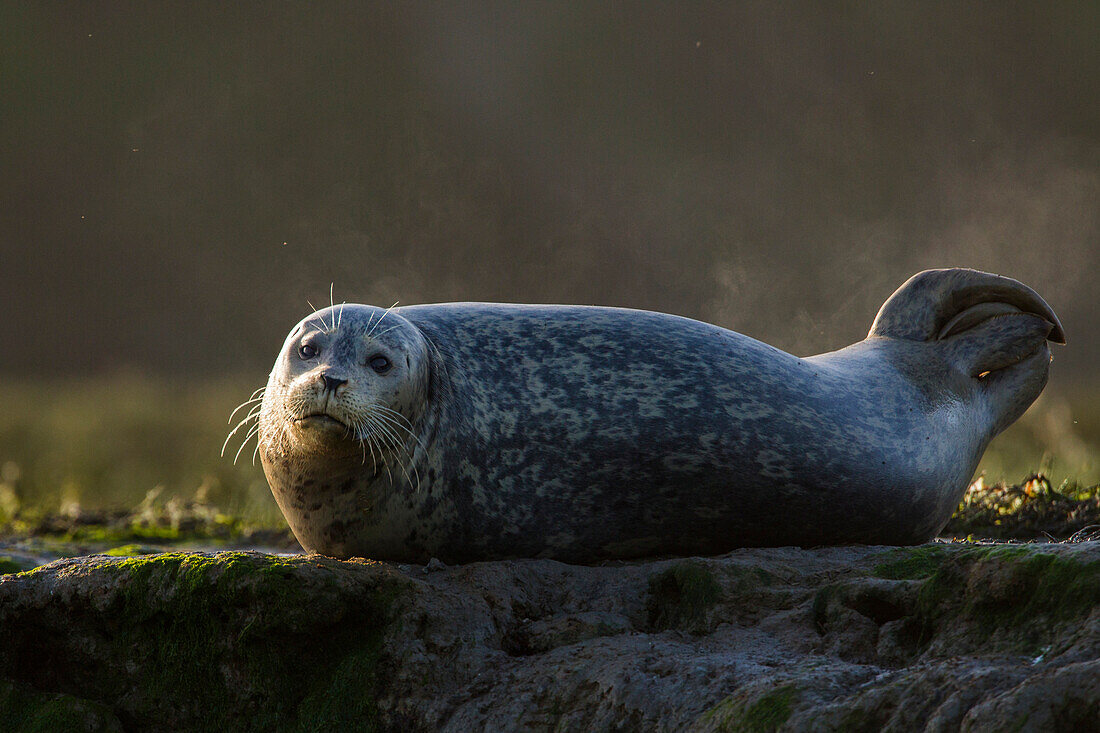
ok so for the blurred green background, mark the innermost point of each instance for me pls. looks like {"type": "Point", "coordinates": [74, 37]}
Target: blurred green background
{"type": "Point", "coordinates": [179, 178]}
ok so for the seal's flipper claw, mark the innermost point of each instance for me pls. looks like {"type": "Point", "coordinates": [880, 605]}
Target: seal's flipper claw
{"type": "Point", "coordinates": [939, 304]}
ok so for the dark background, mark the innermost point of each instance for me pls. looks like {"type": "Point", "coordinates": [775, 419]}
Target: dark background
{"type": "Point", "coordinates": [177, 179]}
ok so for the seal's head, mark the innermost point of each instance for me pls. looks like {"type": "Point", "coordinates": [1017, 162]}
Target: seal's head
{"type": "Point", "coordinates": [348, 386]}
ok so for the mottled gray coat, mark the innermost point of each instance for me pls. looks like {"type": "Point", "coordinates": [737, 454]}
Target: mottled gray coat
{"type": "Point", "coordinates": [585, 433]}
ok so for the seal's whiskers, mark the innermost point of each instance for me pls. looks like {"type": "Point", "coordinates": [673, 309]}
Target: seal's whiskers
{"type": "Point", "coordinates": [400, 421]}
{"type": "Point", "coordinates": [398, 445]}
{"type": "Point", "coordinates": [362, 443]}
{"type": "Point", "coordinates": [381, 318]}
{"type": "Point", "coordinates": [369, 427]}
{"type": "Point", "coordinates": [241, 406]}
{"type": "Point", "coordinates": [252, 415]}
{"type": "Point", "coordinates": [386, 331]}
{"type": "Point", "coordinates": [332, 306]}
{"type": "Point", "coordinates": [253, 432]}
{"type": "Point", "coordinates": [366, 441]}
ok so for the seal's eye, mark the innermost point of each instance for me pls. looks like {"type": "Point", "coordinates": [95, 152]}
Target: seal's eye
{"type": "Point", "coordinates": [308, 351]}
{"type": "Point", "coordinates": [379, 363]}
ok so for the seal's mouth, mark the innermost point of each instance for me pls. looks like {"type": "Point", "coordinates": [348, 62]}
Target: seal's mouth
{"type": "Point", "coordinates": [320, 420]}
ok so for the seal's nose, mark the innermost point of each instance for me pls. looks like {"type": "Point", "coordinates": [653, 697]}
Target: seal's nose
{"type": "Point", "coordinates": [332, 383]}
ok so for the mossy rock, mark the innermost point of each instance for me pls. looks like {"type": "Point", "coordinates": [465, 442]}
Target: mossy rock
{"type": "Point", "coordinates": [910, 563]}
{"type": "Point", "coordinates": [1009, 597]}
{"type": "Point", "coordinates": [682, 596]}
{"type": "Point", "coordinates": [846, 638]}
{"type": "Point", "coordinates": [949, 599]}
{"type": "Point", "coordinates": [761, 714]}
{"type": "Point", "coordinates": [27, 711]}
{"type": "Point", "coordinates": [197, 641]}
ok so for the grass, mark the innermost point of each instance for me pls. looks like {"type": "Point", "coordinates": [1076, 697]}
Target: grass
{"type": "Point", "coordinates": [105, 444]}
{"type": "Point", "coordinates": [1032, 509]}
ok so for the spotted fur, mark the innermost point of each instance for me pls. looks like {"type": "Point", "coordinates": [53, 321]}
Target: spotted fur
{"type": "Point", "coordinates": [585, 433]}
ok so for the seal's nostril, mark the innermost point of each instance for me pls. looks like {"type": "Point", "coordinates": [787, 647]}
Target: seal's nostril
{"type": "Point", "coordinates": [332, 383]}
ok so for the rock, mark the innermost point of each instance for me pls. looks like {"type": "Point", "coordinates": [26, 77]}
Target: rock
{"type": "Point", "coordinates": [940, 637]}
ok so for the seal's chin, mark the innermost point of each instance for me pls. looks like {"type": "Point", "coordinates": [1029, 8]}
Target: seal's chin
{"type": "Point", "coordinates": [317, 436]}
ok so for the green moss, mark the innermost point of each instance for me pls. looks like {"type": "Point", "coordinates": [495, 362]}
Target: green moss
{"type": "Point", "coordinates": [763, 715]}
{"type": "Point", "coordinates": [911, 563]}
{"type": "Point", "coordinates": [749, 579]}
{"type": "Point", "coordinates": [28, 711]}
{"type": "Point", "coordinates": [7, 565]}
{"type": "Point", "coordinates": [240, 641]}
{"type": "Point", "coordinates": [345, 700]}
{"type": "Point", "coordinates": [1012, 596]}
{"type": "Point", "coordinates": [820, 606]}
{"type": "Point", "coordinates": [682, 596]}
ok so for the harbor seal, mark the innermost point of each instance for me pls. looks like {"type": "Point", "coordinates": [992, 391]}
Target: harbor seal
{"type": "Point", "coordinates": [473, 431]}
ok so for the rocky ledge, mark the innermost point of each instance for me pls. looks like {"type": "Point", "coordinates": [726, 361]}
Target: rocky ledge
{"type": "Point", "coordinates": [938, 637]}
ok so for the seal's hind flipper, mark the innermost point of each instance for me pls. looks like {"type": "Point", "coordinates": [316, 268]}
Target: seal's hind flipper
{"type": "Point", "coordinates": [997, 343]}
{"type": "Point", "coordinates": [941, 304]}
